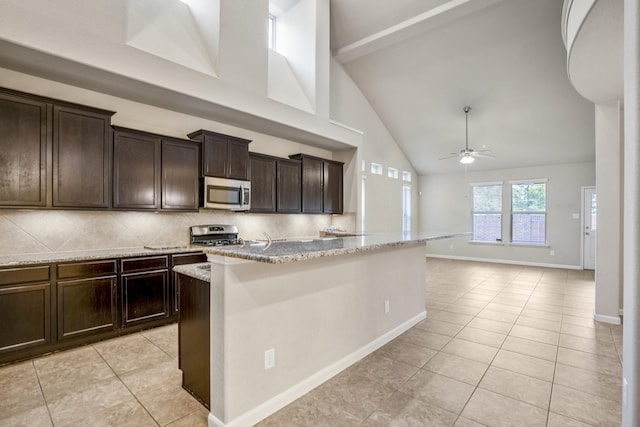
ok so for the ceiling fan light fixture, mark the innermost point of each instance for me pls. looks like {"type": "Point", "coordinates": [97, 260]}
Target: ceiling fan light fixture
{"type": "Point", "coordinates": [467, 159]}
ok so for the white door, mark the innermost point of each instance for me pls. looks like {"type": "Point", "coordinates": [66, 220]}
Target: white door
{"type": "Point", "coordinates": [589, 227]}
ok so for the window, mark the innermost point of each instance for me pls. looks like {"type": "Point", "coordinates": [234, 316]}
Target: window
{"type": "Point", "coordinates": [392, 173]}
{"type": "Point", "coordinates": [376, 169]}
{"type": "Point", "coordinates": [271, 37]}
{"type": "Point", "coordinates": [529, 212]}
{"type": "Point", "coordinates": [487, 212]}
{"type": "Point", "coordinates": [406, 208]}
{"type": "Point", "coordinates": [363, 204]}
{"type": "Point", "coordinates": [406, 176]}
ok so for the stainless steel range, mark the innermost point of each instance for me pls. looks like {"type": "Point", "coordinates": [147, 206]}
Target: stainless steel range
{"type": "Point", "coordinates": [214, 235]}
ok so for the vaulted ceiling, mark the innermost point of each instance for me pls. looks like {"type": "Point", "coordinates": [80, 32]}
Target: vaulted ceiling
{"type": "Point", "coordinates": [420, 62]}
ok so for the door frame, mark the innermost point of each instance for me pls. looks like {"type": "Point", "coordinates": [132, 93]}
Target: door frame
{"type": "Point", "coordinates": [582, 221]}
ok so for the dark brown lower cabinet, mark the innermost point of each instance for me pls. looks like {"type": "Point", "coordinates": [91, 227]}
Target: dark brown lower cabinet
{"type": "Point", "coordinates": [25, 309]}
{"type": "Point", "coordinates": [144, 296]}
{"type": "Point", "coordinates": [181, 259]}
{"type": "Point", "coordinates": [45, 308]}
{"type": "Point", "coordinates": [87, 295]}
{"type": "Point", "coordinates": [193, 333]}
{"type": "Point", "coordinates": [145, 290]}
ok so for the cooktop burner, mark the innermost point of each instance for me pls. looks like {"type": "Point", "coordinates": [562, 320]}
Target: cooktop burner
{"type": "Point", "coordinates": [214, 235]}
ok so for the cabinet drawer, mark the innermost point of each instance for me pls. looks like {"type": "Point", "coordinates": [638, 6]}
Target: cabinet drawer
{"type": "Point", "coordinates": [193, 258]}
{"type": "Point", "coordinates": [87, 269]}
{"type": "Point", "coordinates": [146, 263]}
{"type": "Point", "coordinates": [24, 275]}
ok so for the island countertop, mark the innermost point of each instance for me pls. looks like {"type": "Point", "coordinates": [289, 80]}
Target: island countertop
{"type": "Point", "coordinates": [293, 250]}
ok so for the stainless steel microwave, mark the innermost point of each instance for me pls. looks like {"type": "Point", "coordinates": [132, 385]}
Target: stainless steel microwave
{"type": "Point", "coordinates": [223, 193]}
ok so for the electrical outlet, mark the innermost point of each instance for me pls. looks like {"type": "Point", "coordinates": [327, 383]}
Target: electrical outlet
{"type": "Point", "coordinates": [386, 306]}
{"type": "Point", "coordinates": [269, 359]}
{"type": "Point", "coordinates": [450, 247]}
{"type": "Point", "coordinates": [552, 252]}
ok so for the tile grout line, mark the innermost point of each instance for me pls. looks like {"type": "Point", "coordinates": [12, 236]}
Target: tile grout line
{"type": "Point", "coordinates": [46, 404]}
{"type": "Point", "coordinates": [125, 385]}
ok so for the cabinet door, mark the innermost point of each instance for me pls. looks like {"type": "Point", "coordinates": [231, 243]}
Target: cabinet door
{"type": "Point", "coordinates": [145, 297]}
{"type": "Point", "coordinates": [86, 306]}
{"type": "Point", "coordinates": [238, 160]}
{"type": "Point", "coordinates": [81, 155]}
{"type": "Point", "coordinates": [332, 187]}
{"type": "Point", "coordinates": [263, 183]}
{"type": "Point", "coordinates": [194, 335]}
{"type": "Point", "coordinates": [25, 308]}
{"type": "Point", "coordinates": [25, 316]}
{"type": "Point", "coordinates": [312, 183]}
{"type": "Point", "coordinates": [181, 259]}
{"type": "Point", "coordinates": [215, 152]}
{"type": "Point", "coordinates": [23, 151]}
{"type": "Point", "coordinates": [136, 180]}
{"type": "Point", "coordinates": [289, 184]}
{"type": "Point", "coordinates": [180, 173]}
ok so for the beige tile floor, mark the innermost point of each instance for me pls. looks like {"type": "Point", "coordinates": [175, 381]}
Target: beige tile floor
{"type": "Point", "coordinates": [501, 346]}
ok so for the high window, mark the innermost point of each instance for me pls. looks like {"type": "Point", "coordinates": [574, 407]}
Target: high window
{"type": "Point", "coordinates": [529, 212]}
{"type": "Point", "coordinates": [487, 212]}
{"type": "Point", "coordinates": [271, 28]}
{"type": "Point", "coordinates": [406, 208]}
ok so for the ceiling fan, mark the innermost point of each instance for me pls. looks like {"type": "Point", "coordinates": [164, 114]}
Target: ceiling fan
{"type": "Point", "coordinates": [468, 155]}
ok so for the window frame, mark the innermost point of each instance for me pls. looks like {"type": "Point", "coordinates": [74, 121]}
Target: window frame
{"type": "Point", "coordinates": [474, 212]}
{"type": "Point", "coordinates": [543, 181]}
{"type": "Point", "coordinates": [272, 21]}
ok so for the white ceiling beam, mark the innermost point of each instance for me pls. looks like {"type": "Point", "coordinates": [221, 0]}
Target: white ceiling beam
{"type": "Point", "coordinates": [433, 18]}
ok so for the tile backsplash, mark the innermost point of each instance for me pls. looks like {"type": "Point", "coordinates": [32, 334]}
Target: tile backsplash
{"type": "Point", "coordinates": [41, 231]}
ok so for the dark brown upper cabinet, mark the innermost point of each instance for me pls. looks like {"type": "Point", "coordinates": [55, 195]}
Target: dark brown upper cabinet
{"type": "Point", "coordinates": [322, 184]}
{"type": "Point", "coordinates": [154, 171]}
{"type": "Point", "coordinates": [23, 151]}
{"type": "Point", "coordinates": [180, 174]}
{"type": "Point", "coordinates": [275, 184]}
{"type": "Point", "coordinates": [312, 183]}
{"type": "Point", "coordinates": [223, 156]}
{"type": "Point", "coordinates": [136, 170]}
{"type": "Point", "coordinates": [263, 182]}
{"type": "Point", "coordinates": [53, 153]}
{"type": "Point", "coordinates": [333, 187]}
{"type": "Point", "coordinates": [81, 157]}
{"type": "Point", "coordinates": [289, 185]}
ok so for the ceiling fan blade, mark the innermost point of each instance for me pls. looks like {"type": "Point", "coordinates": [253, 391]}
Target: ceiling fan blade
{"type": "Point", "coordinates": [482, 153]}
{"type": "Point", "coordinates": [450, 156]}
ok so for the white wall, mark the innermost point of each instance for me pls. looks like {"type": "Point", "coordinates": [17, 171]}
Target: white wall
{"type": "Point", "coordinates": [609, 181]}
{"type": "Point", "coordinates": [95, 35]}
{"type": "Point", "coordinates": [383, 210]}
{"type": "Point", "coordinates": [445, 204]}
{"type": "Point", "coordinates": [316, 330]}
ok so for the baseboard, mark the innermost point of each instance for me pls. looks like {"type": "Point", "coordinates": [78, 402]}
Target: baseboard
{"type": "Point", "coordinates": [506, 261]}
{"type": "Point", "coordinates": [278, 402]}
{"type": "Point", "coordinates": [607, 319]}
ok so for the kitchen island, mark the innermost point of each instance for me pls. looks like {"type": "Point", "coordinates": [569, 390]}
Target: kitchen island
{"type": "Point", "coordinates": [287, 316]}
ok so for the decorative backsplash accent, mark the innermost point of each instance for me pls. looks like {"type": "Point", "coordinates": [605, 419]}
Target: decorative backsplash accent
{"type": "Point", "coordinates": [41, 231]}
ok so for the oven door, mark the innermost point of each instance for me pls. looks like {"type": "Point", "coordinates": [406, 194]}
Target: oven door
{"type": "Point", "coordinates": [229, 194]}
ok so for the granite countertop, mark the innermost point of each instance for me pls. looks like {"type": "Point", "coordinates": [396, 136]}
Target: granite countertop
{"type": "Point", "coordinates": [73, 256]}
{"type": "Point", "coordinates": [200, 271]}
{"type": "Point", "coordinates": [303, 249]}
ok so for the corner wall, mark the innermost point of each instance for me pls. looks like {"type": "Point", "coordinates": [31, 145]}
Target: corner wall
{"type": "Point", "coordinates": [383, 209]}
